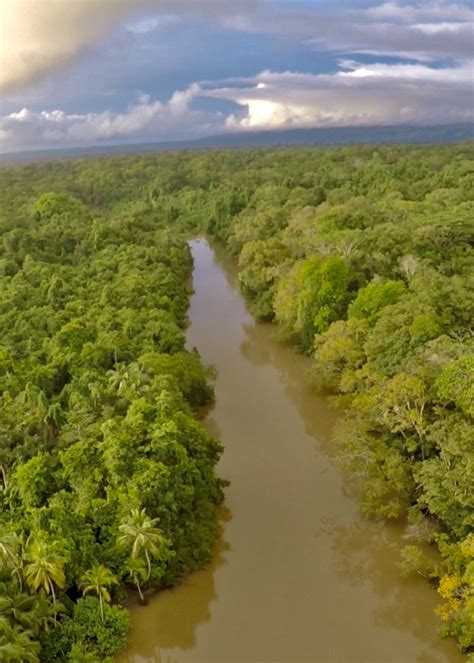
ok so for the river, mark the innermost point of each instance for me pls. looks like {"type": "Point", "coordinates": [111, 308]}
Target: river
{"type": "Point", "coordinates": [298, 576]}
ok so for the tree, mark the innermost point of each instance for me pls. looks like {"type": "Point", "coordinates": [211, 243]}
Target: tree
{"type": "Point", "coordinates": [44, 567]}
{"type": "Point", "coordinates": [11, 554]}
{"type": "Point", "coordinates": [138, 572]}
{"type": "Point", "coordinates": [45, 613]}
{"type": "Point", "coordinates": [338, 353]}
{"type": "Point", "coordinates": [17, 645]}
{"type": "Point", "coordinates": [139, 532]}
{"type": "Point", "coordinates": [97, 579]}
{"type": "Point", "coordinates": [456, 384]}
{"type": "Point", "coordinates": [400, 404]}
{"type": "Point", "coordinates": [374, 297]}
{"type": "Point", "coordinates": [445, 480]}
{"type": "Point", "coordinates": [261, 265]}
{"type": "Point", "coordinates": [456, 588]}
{"type": "Point", "coordinates": [17, 608]}
{"type": "Point", "coordinates": [311, 296]}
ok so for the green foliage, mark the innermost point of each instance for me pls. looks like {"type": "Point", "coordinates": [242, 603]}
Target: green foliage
{"type": "Point", "coordinates": [50, 205]}
{"type": "Point", "coordinates": [338, 354]}
{"type": "Point", "coordinates": [261, 263]}
{"type": "Point", "coordinates": [139, 533]}
{"type": "Point", "coordinates": [456, 384]}
{"type": "Point", "coordinates": [44, 566]}
{"type": "Point", "coordinates": [17, 645]}
{"type": "Point", "coordinates": [362, 255]}
{"type": "Point", "coordinates": [445, 479]}
{"type": "Point", "coordinates": [99, 406]}
{"type": "Point", "coordinates": [385, 479]}
{"type": "Point", "coordinates": [85, 636]}
{"type": "Point", "coordinates": [311, 297]}
{"type": "Point", "coordinates": [96, 580]}
{"type": "Point", "coordinates": [456, 588]}
{"type": "Point", "coordinates": [374, 297]}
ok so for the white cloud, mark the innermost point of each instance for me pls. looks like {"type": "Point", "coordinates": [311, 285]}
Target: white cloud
{"type": "Point", "coordinates": [39, 36]}
{"type": "Point", "coordinates": [146, 119]}
{"type": "Point", "coordinates": [149, 23]}
{"type": "Point", "coordinates": [459, 74]}
{"type": "Point", "coordinates": [436, 9]}
{"type": "Point", "coordinates": [440, 28]}
{"type": "Point", "coordinates": [357, 95]}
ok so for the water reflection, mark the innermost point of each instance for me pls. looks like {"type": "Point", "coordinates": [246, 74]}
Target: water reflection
{"type": "Point", "coordinates": [364, 553]}
{"type": "Point", "coordinates": [260, 348]}
{"type": "Point", "coordinates": [177, 612]}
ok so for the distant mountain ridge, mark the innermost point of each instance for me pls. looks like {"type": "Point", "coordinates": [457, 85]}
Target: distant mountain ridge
{"type": "Point", "coordinates": [445, 133]}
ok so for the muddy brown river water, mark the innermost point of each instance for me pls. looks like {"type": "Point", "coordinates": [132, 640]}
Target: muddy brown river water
{"type": "Point", "coordinates": [298, 576]}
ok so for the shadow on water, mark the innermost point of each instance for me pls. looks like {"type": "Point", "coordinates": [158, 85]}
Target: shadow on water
{"type": "Point", "coordinates": [177, 612]}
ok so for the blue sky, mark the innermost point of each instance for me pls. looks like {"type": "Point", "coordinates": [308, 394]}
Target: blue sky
{"type": "Point", "coordinates": [82, 72]}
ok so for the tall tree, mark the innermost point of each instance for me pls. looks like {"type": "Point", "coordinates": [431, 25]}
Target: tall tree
{"type": "Point", "coordinates": [140, 533]}
{"type": "Point", "coordinates": [138, 571]}
{"type": "Point", "coordinates": [44, 566]}
{"type": "Point", "coordinates": [97, 579]}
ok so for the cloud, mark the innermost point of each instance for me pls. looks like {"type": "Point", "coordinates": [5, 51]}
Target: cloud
{"type": "Point", "coordinates": [433, 86]}
{"type": "Point", "coordinates": [418, 41]}
{"type": "Point", "coordinates": [431, 10]}
{"type": "Point", "coordinates": [356, 95]}
{"type": "Point", "coordinates": [150, 23]}
{"type": "Point", "coordinates": [424, 31]}
{"type": "Point", "coordinates": [39, 37]}
{"type": "Point", "coordinates": [145, 119]}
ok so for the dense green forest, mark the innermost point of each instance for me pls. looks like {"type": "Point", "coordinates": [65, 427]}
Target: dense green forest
{"type": "Point", "coordinates": [107, 475]}
{"type": "Point", "coordinates": [363, 257]}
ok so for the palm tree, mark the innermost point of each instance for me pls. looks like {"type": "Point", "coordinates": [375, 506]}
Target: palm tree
{"type": "Point", "coordinates": [11, 557]}
{"type": "Point", "coordinates": [52, 421]}
{"type": "Point", "coordinates": [4, 476]}
{"type": "Point", "coordinates": [96, 580]}
{"type": "Point", "coordinates": [45, 613]}
{"type": "Point", "coordinates": [129, 378]}
{"type": "Point", "coordinates": [117, 376]}
{"type": "Point", "coordinates": [138, 571]}
{"type": "Point", "coordinates": [9, 546]}
{"type": "Point", "coordinates": [17, 608]}
{"type": "Point", "coordinates": [141, 534]}
{"type": "Point", "coordinates": [44, 567]}
{"type": "Point", "coordinates": [17, 645]}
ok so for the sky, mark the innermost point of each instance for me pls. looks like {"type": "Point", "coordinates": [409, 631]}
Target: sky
{"type": "Point", "coordinates": [87, 72]}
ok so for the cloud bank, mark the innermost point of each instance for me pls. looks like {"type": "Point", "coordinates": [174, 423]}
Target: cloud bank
{"type": "Point", "coordinates": [144, 119]}
{"type": "Point", "coordinates": [356, 95]}
{"type": "Point", "coordinates": [428, 77]}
